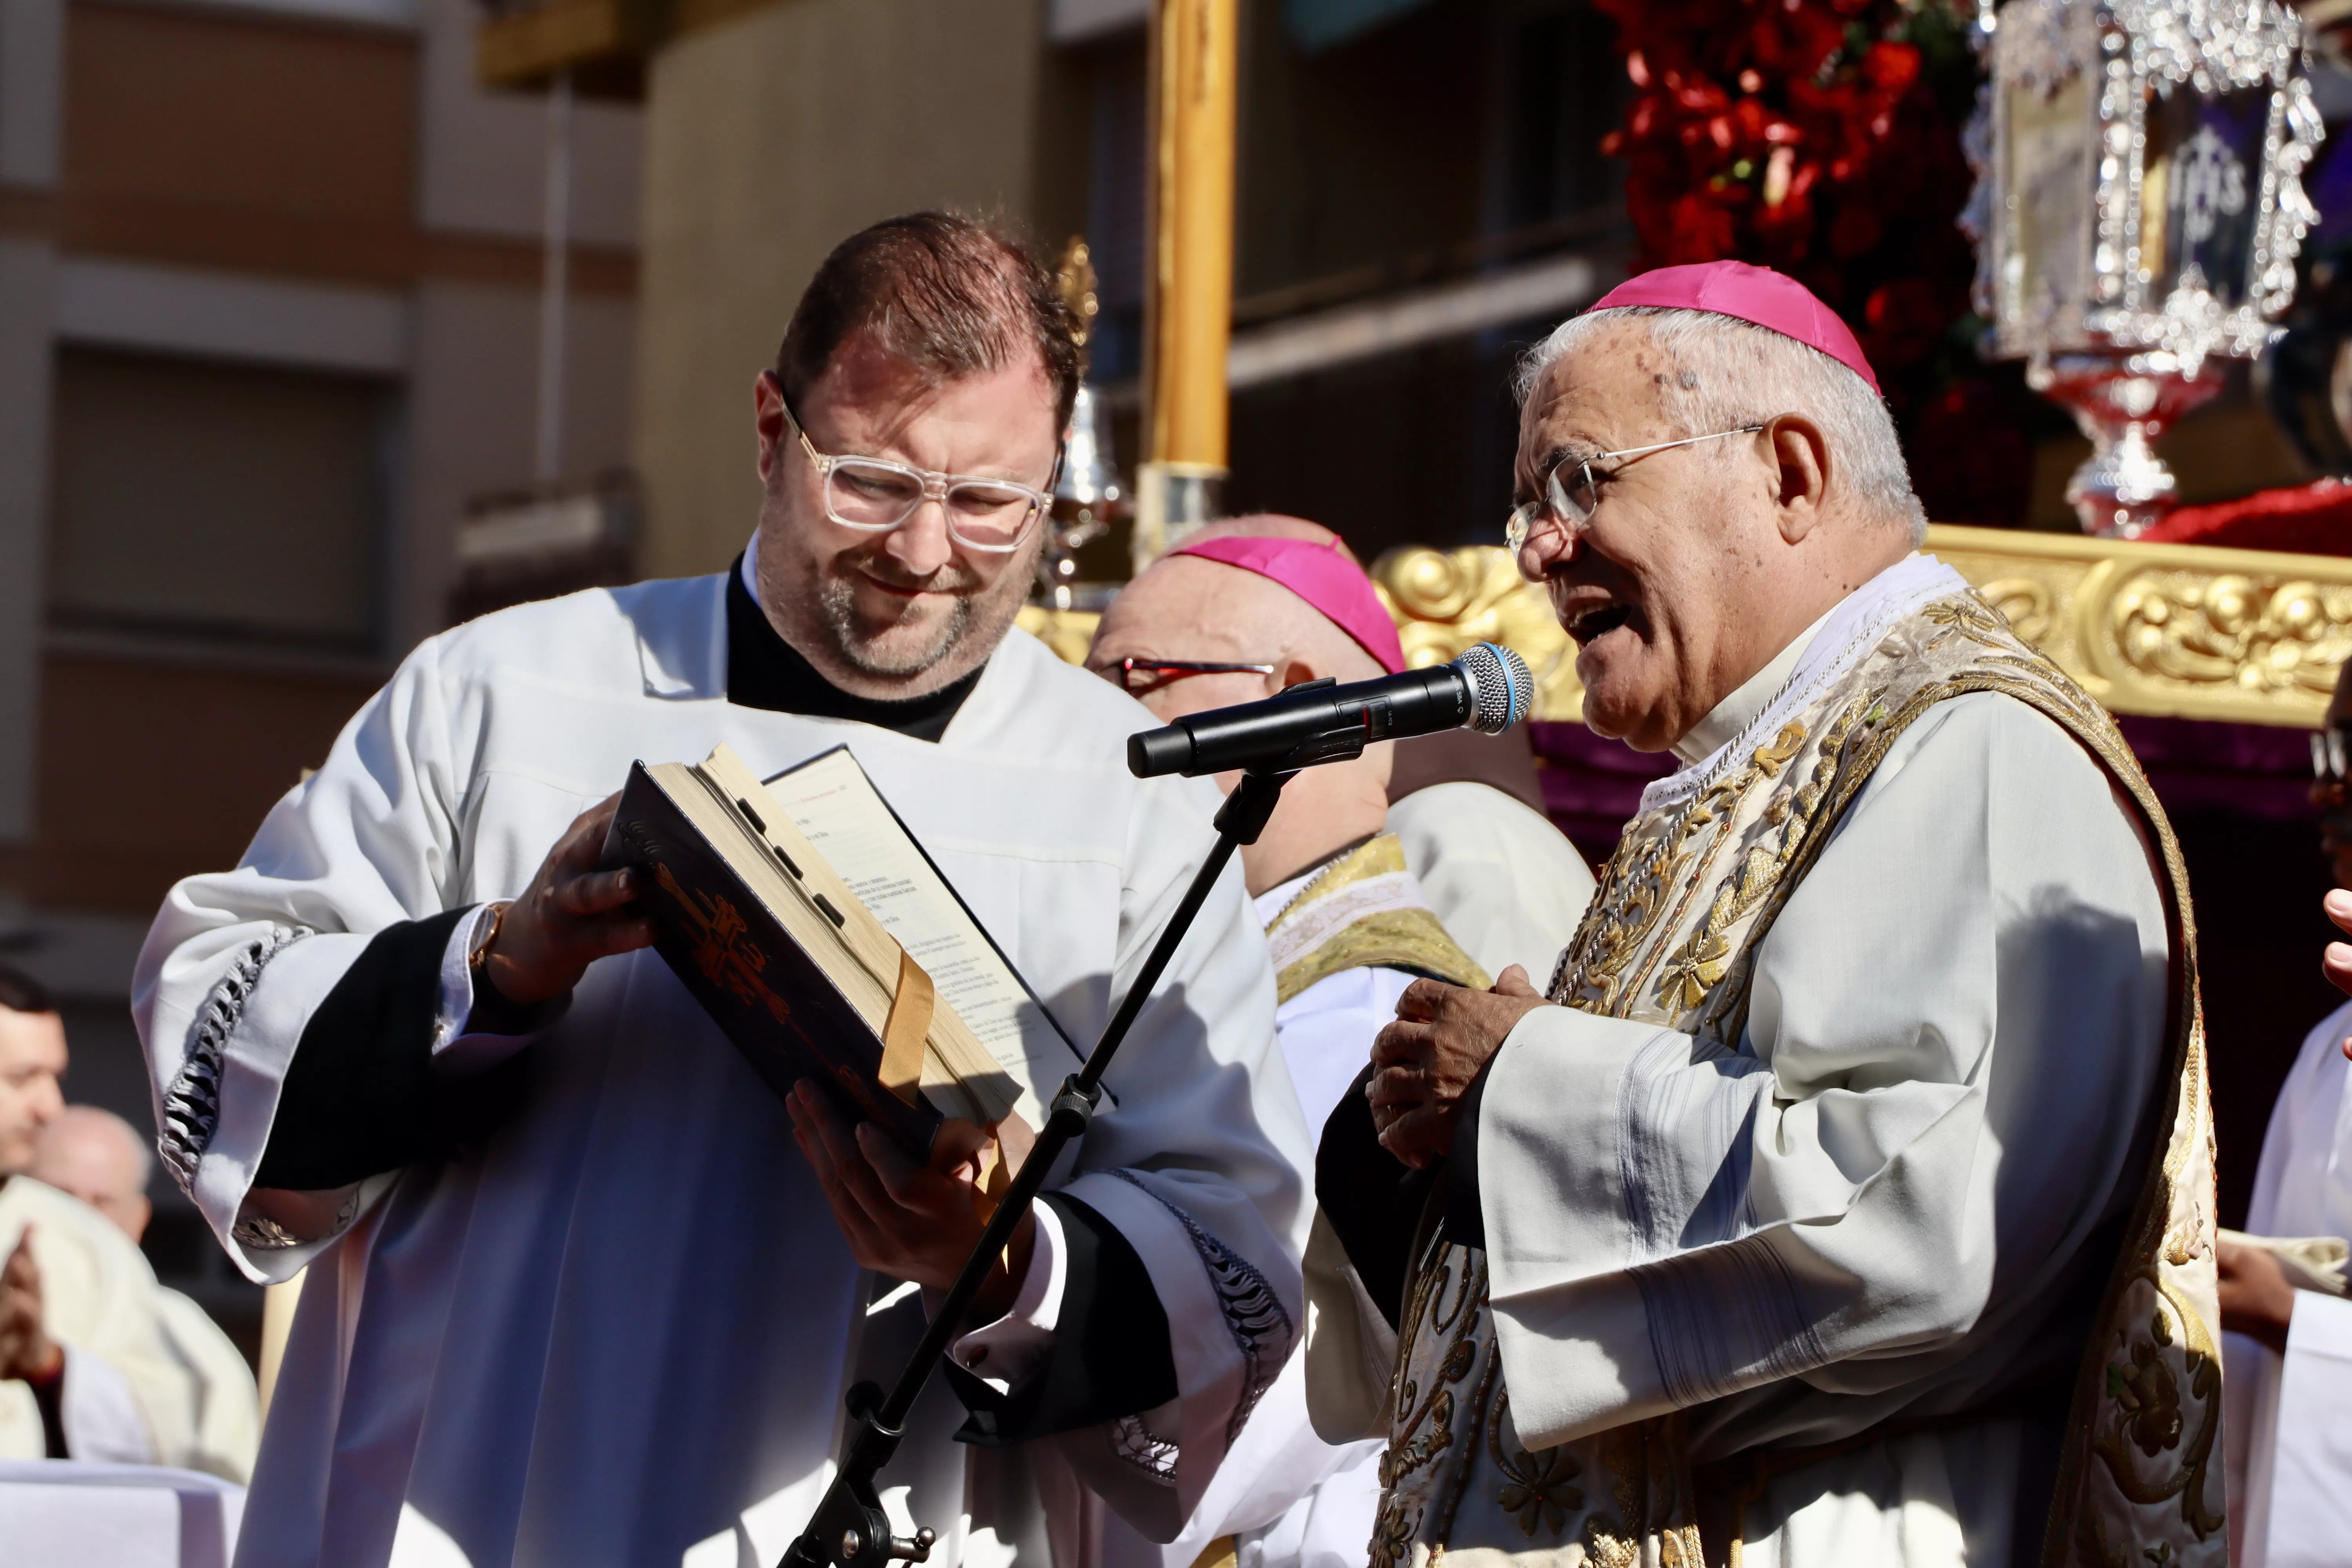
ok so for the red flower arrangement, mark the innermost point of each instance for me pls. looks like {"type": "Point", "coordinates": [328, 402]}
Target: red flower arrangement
{"type": "Point", "coordinates": [1822, 138]}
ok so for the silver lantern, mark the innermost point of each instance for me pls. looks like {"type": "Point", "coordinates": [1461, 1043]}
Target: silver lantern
{"type": "Point", "coordinates": [1088, 492]}
{"type": "Point", "coordinates": [1087, 496]}
{"type": "Point", "coordinates": [2137, 214]}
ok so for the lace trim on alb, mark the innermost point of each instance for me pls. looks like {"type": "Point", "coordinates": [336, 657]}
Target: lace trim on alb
{"type": "Point", "coordinates": [1254, 1316]}
{"type": "Point", "coordinates": [192, 1105]}
{"type": "Point", "coordinates": [1132, 1444]}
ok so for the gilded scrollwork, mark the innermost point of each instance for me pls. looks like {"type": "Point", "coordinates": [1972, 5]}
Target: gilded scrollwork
{"type": "Point", "coordinates": [2172, 630]}
{"type": "Point", "coordinates": [1445, 600]}
{"type": "Point", "coordinates": [2156, 1438]}
{"type": "Point", "coordinates": [2231, 628]}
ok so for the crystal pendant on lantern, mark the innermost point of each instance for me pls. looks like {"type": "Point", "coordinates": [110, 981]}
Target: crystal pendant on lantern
{"type": "Point", "coordinates": [1087, 494]}
{"type": "Point", "coordinates": [2139, 209]}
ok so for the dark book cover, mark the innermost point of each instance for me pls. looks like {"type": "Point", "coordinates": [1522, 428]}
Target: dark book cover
{"type": "Point", "coordinates": [758, 985]}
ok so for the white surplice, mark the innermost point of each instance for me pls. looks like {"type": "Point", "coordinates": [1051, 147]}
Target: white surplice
{"type": "Point", "coordinates": [228, 1404]}
{"type": "Point", "coordinates": [1290, 1498]}
{"type": "Point", "coordinates": [2291, 1480]}
{"type": "Point", "coordinates": [1505, 882]}
{"type": "Point", "coordinates": [125, 1400]}
{"type": "Point", "coordinates": [620, 1330]}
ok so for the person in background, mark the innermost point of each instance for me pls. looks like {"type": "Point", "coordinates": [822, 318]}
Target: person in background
{"type": "Point", "coordinates": [84, 1372]}
{"type": "Point", "coordinates": [2288, 1346]}
{"type": "Point", "coordinates": [1468, 809]}
{"type": "Point", "coordinates": [94, 1155]}
{"type": "Point", "coordinates": [1243, 610]}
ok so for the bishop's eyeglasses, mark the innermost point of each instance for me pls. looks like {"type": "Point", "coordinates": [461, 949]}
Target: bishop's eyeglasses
{"type": "Point", "coordinates": [874, 495]}
{"type": "Point", "coordinates": [1573, 489]}
{"type": "Point", "coordinates": [1140, 677]}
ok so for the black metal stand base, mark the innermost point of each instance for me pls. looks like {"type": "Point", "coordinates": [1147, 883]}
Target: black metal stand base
{"type": "Point", "coordinates": [849, 1528]}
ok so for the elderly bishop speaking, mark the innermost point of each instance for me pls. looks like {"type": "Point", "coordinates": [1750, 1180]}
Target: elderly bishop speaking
{"type": "Point", "coordinates": [1847, 1200]}
{"type": "Point", "coordinates": [581, 1289]}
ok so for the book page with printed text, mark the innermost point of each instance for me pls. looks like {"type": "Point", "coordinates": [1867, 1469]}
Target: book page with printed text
{"type": "Point", "coordinates": [845, 819]}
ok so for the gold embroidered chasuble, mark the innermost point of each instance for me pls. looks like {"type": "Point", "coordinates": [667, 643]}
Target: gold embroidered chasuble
{"type": "Point", "coordinates": [1361, 911]}
{"type": "Point", "coordinates": [1671, 939]}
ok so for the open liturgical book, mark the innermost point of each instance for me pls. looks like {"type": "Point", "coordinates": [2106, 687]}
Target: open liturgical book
{"type": "Point", "coordinates": [818, 935]}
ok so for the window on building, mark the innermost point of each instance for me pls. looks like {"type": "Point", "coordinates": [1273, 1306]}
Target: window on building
{"type": "Point", "coordinates": [230, 502]}
{"type": "Point", "coordinates": [1117, 152]}
{"type": "Point", "coordinates": [1565, 90]}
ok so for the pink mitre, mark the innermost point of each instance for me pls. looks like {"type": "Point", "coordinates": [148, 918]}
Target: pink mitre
{"type": "Point", "coordinates": [1754, 294]}
{"type": "Point", "coordinates": [1335, 586]}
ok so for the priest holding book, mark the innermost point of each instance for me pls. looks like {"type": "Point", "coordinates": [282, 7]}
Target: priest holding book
{"type": "Point", "coordinates": [580, 1287]}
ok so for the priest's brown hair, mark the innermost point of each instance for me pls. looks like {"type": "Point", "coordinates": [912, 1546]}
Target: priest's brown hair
{"type": "Point", "coordinates": [946, 294]}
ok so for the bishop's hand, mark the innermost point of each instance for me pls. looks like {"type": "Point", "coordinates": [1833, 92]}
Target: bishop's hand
{"type": "Point", "coordinates": [912, 1221]}
{"type": "Point", "coordinates": [572, 915]}
{"type": "Point", "coordinates": [1423, 1063]}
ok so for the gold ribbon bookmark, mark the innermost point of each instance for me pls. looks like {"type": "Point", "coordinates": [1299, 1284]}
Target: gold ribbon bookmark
{"type": "Point", "coordinates": [907, 1027]}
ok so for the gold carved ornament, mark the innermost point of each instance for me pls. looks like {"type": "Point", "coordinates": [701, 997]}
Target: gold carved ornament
{"type": "Point", "coordinates": [1444, 601]}
{"type": "Point", "coordinates": [2186, 631]}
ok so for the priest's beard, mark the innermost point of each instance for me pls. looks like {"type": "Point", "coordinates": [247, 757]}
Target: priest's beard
{"type": "Point", "coordinates": [975, 620]}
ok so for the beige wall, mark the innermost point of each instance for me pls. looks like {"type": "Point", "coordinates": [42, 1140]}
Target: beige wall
{"type": "Point", "coordinates": [471, 416]}
{"type": "Point", "coordinates": [767, 140]}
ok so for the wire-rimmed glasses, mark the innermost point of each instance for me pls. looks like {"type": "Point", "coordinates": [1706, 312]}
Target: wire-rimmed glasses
{"type": "Point", "coordinates": [1140, 677]}
{"type": "Point", "coordinates": [1569, 502]}
{"type": "Point", "coordinates": [874, 495]}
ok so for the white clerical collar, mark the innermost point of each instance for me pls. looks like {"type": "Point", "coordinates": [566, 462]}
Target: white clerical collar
{"type": "Point", "coordinates": [1737, 712]}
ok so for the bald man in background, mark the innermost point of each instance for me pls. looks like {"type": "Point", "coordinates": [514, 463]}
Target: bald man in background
{"type": "Point", "coordinates": [1241, 611]}
{"type": "Point", "coordinates": [95, 1155]}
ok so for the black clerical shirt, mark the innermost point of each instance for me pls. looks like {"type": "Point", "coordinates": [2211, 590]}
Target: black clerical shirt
{"type": "Point", "coordinates": [763, 670]}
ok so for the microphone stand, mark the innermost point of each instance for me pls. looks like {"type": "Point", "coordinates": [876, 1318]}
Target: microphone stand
{"type": "Point", "coordinates": [849, 1528]}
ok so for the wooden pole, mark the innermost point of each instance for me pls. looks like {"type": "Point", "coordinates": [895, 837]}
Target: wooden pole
{"type": "Point", "coordinates": [1188, 299]}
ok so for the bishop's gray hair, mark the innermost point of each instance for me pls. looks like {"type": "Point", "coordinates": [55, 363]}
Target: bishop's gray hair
{"type": "Point", "coordinates": [1730, 373]}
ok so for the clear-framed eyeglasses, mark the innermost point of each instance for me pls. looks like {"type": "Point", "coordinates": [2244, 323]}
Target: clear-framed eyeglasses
{"type": "Point", "coordinates": [874, 495]}
{"type": "Point", "coordinates": [1573, 489]}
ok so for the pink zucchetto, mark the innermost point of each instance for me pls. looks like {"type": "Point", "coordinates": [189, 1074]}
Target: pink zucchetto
{"type": "Point", "coordinates": [1753, 294]}
{"type": "Point", "coordinates": [1335, 586]}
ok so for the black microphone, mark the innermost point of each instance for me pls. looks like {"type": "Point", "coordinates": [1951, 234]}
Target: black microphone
{"type": "Point", "coordinates": [1487, 689]}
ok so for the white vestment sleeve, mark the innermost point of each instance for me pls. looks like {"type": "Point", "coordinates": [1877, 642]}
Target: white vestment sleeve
{"type": "Point", "coordinates": [101, 1416]}
{"type": "Point", "coordinates": [2310, 1500]}
{"type": "Point", "coordinates": [1954, 1028]}
{"type": "Point", "coordinates": [1505, 883]}
{"type": "Point", "coordinates": [236, 961]}
{"type": "Point", "coordinates": [1201, 1167]}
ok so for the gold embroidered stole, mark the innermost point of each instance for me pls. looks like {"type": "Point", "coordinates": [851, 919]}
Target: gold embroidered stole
{"type": "Point", "coordinates": [1363, 910]}
{"type": "Point", "coordinates": [1669, 939]}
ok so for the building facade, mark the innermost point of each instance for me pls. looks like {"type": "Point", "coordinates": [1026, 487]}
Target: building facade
{"type": "Point", "coordinates": [270, 324]}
